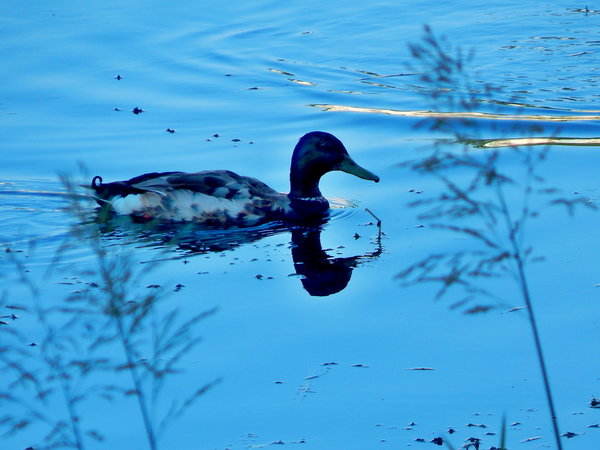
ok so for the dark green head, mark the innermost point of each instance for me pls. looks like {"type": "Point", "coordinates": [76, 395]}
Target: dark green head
{"type": "Point", "coordinates": [316, 154]}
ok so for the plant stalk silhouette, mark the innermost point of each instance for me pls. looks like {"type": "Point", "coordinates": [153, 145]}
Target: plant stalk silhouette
{"type": "Point", "coordinates": [475, 186]}
{"type": "Point", "coordinates": [79, 334]}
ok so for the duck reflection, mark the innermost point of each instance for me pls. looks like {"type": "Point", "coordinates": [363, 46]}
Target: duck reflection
{"type": "Point", "coordinates": [321, 273]}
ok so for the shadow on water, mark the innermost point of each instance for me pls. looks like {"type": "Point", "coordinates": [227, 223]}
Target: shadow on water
{"type": "Point", "coordinates": [321, 273]}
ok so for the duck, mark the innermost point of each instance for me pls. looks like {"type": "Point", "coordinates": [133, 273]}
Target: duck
{"type": "Point", "coordinates": [223, 198]}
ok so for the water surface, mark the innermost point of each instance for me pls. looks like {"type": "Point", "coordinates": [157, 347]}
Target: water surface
{"type": "Point", "coordinates": [312, 371]}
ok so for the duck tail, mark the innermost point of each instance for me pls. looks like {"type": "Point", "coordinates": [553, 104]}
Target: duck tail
{"type": "Point", "coordinates": [96, 183]}
{"type": "Point", "coordinates": [99, 190]}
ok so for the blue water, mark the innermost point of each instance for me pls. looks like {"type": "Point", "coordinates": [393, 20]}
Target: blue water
{"type": "Point", "coordinates": [260, 73]}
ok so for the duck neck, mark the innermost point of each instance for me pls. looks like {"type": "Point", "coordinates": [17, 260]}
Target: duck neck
{"type": "Point", "coordinates": [304, 184]}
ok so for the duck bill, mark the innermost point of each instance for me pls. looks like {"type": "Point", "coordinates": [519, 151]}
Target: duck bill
{"type": "Point", "coordinates": [349, 166]}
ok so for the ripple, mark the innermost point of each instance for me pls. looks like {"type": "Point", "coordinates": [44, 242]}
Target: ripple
{"type": "Point", "coordinates": [459, 114]}
{"type": "Point", "coordinates": [342, 208]}
{"type": "Point", "coordinates": [517, 142]}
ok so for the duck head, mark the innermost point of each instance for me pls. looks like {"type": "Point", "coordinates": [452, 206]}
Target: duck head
{"type": "Point", "coordinates": [316, 154]}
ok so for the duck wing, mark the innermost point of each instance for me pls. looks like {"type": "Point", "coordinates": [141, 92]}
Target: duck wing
{"type": "Point", "coordinates": [106, 192]}
{"type": "Point", "coordinates": [216, 183]}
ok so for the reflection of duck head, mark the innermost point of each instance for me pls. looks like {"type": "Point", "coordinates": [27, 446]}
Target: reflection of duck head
{"type": "Point", "coordinates": [322, 275]}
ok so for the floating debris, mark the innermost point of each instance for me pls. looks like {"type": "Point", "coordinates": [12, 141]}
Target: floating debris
{"type": "Point", "coordinates": [437, 441]}
{"type": "Point", "coordinates": [10, 316]}
{"type": "Point", "coordinates": [22, 308]}
{"type": "Point", "coordinates": [360, 365]}
{"type": "Point", "coordinates": [170, 130]}
{"type": "Point", "coordinates": [118, 77]}
{"type": "Point", "coordinates": [581, 53]}
{"type": "Point", "coordinates": [419, 368]}
{"type": "Point", "coordinates": [594, 403]}
{"type": "Point", "coordinates": [479, 309]}
{"type": "Point", "coordinates": [153, 286]}
{"type": "Point", "coordinates": [137, 110]}
{"type": "Point", "coordinates": [535, 438]}
{"type": "Point", "coordinates": [569, 434]}
{"type": "Point", "coordinates": [472, 442]}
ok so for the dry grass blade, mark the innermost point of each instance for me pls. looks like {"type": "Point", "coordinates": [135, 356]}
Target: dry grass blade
{"type": "Point", "coordinates": [487, 193]}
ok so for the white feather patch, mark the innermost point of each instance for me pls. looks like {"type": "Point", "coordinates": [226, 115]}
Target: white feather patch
{"type": "Point", "coordinates": [181, 205]}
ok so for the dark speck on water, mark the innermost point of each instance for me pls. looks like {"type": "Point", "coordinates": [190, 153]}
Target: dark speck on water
{"type": "Point", "coordinates": [437, 441]}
